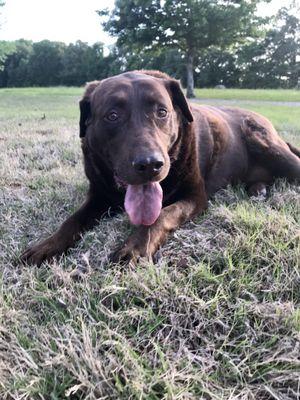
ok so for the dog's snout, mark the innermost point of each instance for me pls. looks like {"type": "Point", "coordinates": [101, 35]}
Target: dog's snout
{"type": "Point", "coordinates": [148, 165]}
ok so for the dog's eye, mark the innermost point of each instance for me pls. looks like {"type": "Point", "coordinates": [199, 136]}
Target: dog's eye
{"type": "Point", "coordinates": [162, 113]}
{"type": "Point", "coordinates": [112, 116]}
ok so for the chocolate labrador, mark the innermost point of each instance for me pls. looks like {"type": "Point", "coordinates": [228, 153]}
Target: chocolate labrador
{"type": "Point", "coordinates": [147, 148]}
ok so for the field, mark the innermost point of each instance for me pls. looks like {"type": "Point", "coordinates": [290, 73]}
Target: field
{"type": "Point", "coordinates": [217, 317]}
{"type": "Point", "coordinates": [250, 94]}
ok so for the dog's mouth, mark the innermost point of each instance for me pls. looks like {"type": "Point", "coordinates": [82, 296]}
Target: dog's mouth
{"type": "Point", "coordinates": [143, 202]}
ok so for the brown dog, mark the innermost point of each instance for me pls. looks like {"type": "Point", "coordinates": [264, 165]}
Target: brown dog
{"type": "Point", "coordinates": [144, 143]}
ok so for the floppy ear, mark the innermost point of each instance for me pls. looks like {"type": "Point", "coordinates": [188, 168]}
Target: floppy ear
{"type": "Point", "coordinates": [85, 113]}
{"type": "Point", "coordinates": [85, 107]}
{"type": "Point", "coordinates": [179, 99]}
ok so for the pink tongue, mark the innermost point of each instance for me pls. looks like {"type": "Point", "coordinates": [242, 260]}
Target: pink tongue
{"type": "Point", "coordinates": [143, 203]}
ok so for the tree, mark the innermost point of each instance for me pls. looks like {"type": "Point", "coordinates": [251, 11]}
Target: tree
{"type": "Point", "coordinates": [46, 63]}
{"type": "Point", "coordinates": [16, 66]}
{"type": "Point", "coordinates": [95, 62]}
{"type": "Point", "coordinates": [283, 43]}
{"type": "Point", "coordinates": [74, 64]}
{"type": "Point", "coordinates": [217, 66]}
{"type": "Point", "coordinates": [6, 48]}
{"type": "Point", "coordinates": [191, 26]}
{"type": "Point", "coordinates": [51, 63]}
{"type": "Point", "coordinates": [273, 61]}
{"type": "Point", "coordinates": [82, 63]}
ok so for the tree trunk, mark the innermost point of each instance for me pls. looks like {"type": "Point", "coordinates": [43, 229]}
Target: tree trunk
{"type": "Point", "coordinates": [190, 76]}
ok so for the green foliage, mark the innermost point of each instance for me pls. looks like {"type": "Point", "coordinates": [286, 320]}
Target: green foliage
{"type": "Point", "coordinates": [268, 62]}
{"type": "Point", "coordinates": [16, 65]}
{"type": "Point", "coordinates": [272, 62]}
{"type": "Point", "coordinates": [82, 63]}
{"type": "Point", "coordinates": [147, 39]}
{"type": "Point", "coordinates": [6, 48]}
{"type": "Point", "coordinates": [190, 26]}
{"type": "Point", "coordinates": [217, 66]}
{"type": "Point", "coordinates": [47, 63]}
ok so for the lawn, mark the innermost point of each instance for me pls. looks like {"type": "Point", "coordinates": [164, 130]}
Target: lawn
{"type": "Point", "coordinates": [250, 94]}
{"type": "Point", "coordinates": [217, 317]}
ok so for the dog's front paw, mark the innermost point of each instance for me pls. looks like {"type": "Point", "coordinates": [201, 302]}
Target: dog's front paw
{"type": "Point", "coordinates": [40, 252]}
{"type": "Point", "coordinates": [131, 252]}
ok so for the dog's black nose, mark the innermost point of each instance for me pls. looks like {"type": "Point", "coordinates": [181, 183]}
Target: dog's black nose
{"type": "Point", "coordinates": [150, 165]}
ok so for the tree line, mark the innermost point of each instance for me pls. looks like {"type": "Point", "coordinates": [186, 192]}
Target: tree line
{"type": "Point", "coordinates": [221, 42]}
{"type": "Point", "coordinates": [48, 63]}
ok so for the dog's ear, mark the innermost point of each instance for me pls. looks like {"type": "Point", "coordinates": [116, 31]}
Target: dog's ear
{"type": "Point", "coordinates": [179, 99]}
{"type": "Point", "coordinates": [85, 113]}
{"type": "Point", "coordinates": [175, 91]}
{"type": "Point", "coordinates": [85, 107]}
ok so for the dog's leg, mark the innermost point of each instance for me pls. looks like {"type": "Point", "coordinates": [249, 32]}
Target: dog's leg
{"type": "Point", "coordinates": [294, 149]}
{"type": "Point", "coordinates": [258, 189]}
{"type": "Point", "coordinates": [146, 240]}
{"type": "Point", "coordinates": [69, 232]}
{"type": "Point", "coordinates": [257, 180]}
{"type": "Point", "coordinates": [271, 151]}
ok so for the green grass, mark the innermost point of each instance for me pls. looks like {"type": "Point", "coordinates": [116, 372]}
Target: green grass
{"type": "Point", "coordinates": [216, 318]}
{"type": "Point", "coordinates": [283, 117]}
{"type": "Point", "coordinates": [34, 103]}
{"type": "Point", "coordinates": [250, 94]}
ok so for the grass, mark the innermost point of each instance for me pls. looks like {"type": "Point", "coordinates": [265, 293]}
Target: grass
{"type": "Point", "coordinates": [250, 94]}
{"type": "Point", "coordinates": [284, 118]}
{"type": "Point", "coordinates": [33, 103]}
{"type": "Point", "coordinates": [217, 317]}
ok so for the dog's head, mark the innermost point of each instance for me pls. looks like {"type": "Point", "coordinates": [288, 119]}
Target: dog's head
{"type": "Point", "coordinates": [131, 121]}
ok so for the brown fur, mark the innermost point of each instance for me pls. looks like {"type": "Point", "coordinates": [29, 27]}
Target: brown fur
{"type": "Point", "coordinates": [203, 148]}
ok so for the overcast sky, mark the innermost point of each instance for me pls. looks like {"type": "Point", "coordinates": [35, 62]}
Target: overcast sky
{"type": "Point", "coordinates": [67, 20]}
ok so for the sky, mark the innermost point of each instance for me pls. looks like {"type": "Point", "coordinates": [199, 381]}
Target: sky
{"type": "Point", "coordinates": [59, 20]}
{"type": "Point", "coordinates": [67, 20]}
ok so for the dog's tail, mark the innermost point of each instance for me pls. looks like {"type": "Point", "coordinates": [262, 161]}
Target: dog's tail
{"type": "Point", "coordinates": [294, 149]}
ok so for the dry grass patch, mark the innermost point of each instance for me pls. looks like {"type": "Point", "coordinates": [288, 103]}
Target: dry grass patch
{"type": "Point", "coordinates": [217, 317]}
